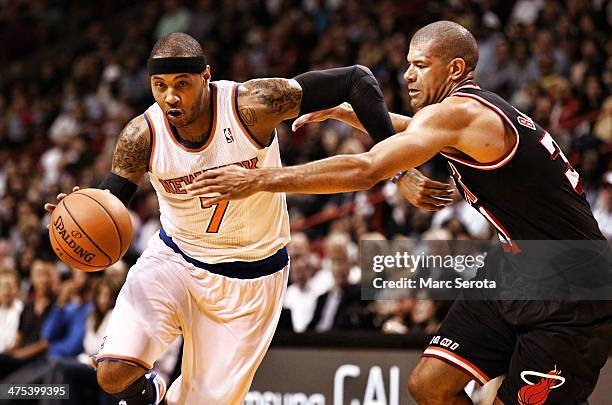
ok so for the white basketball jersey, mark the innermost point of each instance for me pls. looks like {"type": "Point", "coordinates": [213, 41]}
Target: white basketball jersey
{"type": "Point", "coordinates": [244, 230]}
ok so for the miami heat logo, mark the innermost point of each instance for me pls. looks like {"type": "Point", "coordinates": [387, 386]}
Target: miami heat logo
{"type": "Point", "coordinates": [535, 393]}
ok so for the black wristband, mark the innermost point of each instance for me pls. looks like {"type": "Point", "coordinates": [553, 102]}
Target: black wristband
{"type": "Point", "coordinates": [356, 84]}
{"type": "Point", "coordinates": [121, 187]}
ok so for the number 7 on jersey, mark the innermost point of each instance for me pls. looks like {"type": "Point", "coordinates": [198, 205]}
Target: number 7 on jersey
{"type": "Point", "coordinates": [217, 216]}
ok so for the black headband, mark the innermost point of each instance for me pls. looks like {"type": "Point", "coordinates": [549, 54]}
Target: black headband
{"type": "Point", "coordinates": [195, 64]}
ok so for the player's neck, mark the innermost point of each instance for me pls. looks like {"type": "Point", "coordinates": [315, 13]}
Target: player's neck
{"type": "Point", "coordinates": [455, 86]}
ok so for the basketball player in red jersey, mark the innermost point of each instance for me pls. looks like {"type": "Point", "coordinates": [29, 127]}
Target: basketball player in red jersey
{"type": "Point", "coordinates": [512, 171]}
{"type": "Point", "coordinates": [216, 275]}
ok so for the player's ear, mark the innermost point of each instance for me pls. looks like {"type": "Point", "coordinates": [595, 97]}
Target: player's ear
{"type": "Point", "coordinates": [456, 68]}
{"type": "Point", "coordinates": [206, 74]}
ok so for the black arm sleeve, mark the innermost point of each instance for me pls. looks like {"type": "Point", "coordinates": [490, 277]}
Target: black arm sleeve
{"type": "Point", "coordinates": [121, 188]}
{"type": "Point", "coordinates": [354, 84]}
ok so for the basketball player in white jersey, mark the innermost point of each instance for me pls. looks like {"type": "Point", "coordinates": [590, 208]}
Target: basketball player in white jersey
{"type": "Point", "coordinates": [214, 274]}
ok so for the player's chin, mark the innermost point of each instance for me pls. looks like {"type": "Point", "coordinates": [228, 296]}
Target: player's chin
{"type": "Point", "coordinates": [416, 103]}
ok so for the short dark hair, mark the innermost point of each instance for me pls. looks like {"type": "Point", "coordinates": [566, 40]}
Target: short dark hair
{"type": "Point", "coordinates": [176, 45]}
{"type": "Point", "coordinates": [449, 40]}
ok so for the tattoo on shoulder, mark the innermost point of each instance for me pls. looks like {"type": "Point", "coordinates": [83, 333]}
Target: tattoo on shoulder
{"type": "Point", "coordinates": [248, 116]}
{"type": "Point", "coordinates": [131, 152]}
{"type": "Point", "coordinates": [279, 95]}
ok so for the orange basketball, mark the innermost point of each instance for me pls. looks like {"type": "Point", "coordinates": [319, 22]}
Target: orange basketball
{"type": "Point", "coordinates": [90, 229]}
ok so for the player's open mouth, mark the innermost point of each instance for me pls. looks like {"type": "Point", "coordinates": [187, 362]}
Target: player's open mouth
{"type": "Point", "coordinates": [412, 92]}
{"type": "Point", "coordinates": [174, 113]}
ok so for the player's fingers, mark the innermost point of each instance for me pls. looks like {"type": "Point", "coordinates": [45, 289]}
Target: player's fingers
{"type": "Point", "coordinates": [61, 196]}
{"type": "Point", "coordinates": [75, 188]}
{"type": "Point", "coordinates": [436, 192]}
{"type": "Point", "coordinates": [209, 174]}
{"type": "Point", "coordinates": [437, 185]}
{"type": "Point", "coordinates": [215, 200]}
{"type": "Point", "coordinates": [429, 207]}
{"type": "Point", "coordinates": [215, 189]}
{"type": "Point", "coordinates": [296, 124]}
{"type": "Point", "coordinates": [426, 199]}
{"type": "Point", "coordinates": [199, 185]}
{"type": "Point", "coordinates": [194, 188]}
{"type": "Point", "coordinates": [301, 120]}
{"type": "Point", "coordinates": [49, 207]}
{"type": "Point", "coordinates": [201, 189]}
{"type": "Point", "coordinates": [443, 202]}
{"type": "Point", "coordinates": [204, 183]}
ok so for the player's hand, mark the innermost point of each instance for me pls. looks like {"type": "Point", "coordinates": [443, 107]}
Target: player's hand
{"type": "Point", "coordinates": [322, 115]}
{"type": "Point", "coordinates": [423, 192]}
{"type": "Point", "coordinates": [230, 183]}
{"type": "Point", "coordinates": [50, 207]}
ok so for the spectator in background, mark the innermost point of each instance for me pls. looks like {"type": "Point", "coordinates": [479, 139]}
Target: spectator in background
{"type": "Point", "coordinates": [603, 126]}
{"type": "Point", "coordinates": [104, 295]}
{"type": "Point", "coordinates": [301, 296]}
{"type": "Point", "coordinates": [526, 11]}
{"type": "Point", "coordinates": [10, 308]}
{"type": "Point", "coordinates": [341, 308]}
{"type": "Point", "coordinates": [175, 19]}
{"type": "Point", "coordinates": [147, 222]}
{"type": "Point", "coordinates": [337, 246]}
{"type": "Point", "coordinates": [424, 317]}
{"type": "Point", "coordinates": [203, 20]}
{"type": "Point", "coordinates": [603, 206]}
{"type": "Point", "coordinates": [476, 225]}
{"type": "Point", "coordinates": [399, 319]}
{"type": "Point", "coordinates": [30, 346]}
{"type": "Point", "coordinates": [504, 75]}
{"type": "Point", "coordinates": [80, 371]}
{"type": "Point", "coordinates": [64, 329]}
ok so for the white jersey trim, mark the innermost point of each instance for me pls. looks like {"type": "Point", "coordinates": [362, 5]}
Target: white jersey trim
{"type": "Point", "coordinates": [500, 162]}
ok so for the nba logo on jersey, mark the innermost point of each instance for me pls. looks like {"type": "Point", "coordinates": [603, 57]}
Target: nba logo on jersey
{"type": "Point", "coordinates": [229, 137]}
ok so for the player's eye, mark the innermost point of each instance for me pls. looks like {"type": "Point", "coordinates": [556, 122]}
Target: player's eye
{"type": "Point", "coordinates": [160, 85]}
{"type": "Point", "coordinates": [183, 84]}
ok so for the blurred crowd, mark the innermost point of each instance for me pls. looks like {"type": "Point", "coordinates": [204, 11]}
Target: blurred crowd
{"type": "Point", "coordinates": [72, 75]}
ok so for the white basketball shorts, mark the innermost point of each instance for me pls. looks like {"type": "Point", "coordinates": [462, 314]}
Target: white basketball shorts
{"type": "Point", "coordinates": [227, 324]}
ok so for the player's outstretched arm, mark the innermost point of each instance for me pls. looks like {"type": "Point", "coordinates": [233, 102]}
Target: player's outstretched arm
{"type": "Point", "coordinates": [418, 189]}
{"type": "Point", "coordinates": [345, 113]}
{"type": "Point", "coordinates": [428, 134]}
{"type": "Point", "coordinates": [264, 103]}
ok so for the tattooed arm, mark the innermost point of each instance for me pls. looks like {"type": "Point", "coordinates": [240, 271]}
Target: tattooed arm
{"type": "Point", "coordinates": [130, 161]}
{"type": "Point", "coordinates": [264, 103]}
{"type": "Point", "coordinates": [130, 158]}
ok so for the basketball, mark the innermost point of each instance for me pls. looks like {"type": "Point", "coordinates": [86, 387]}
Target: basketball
{"type": "Point", "coordinates": [90, 229]}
